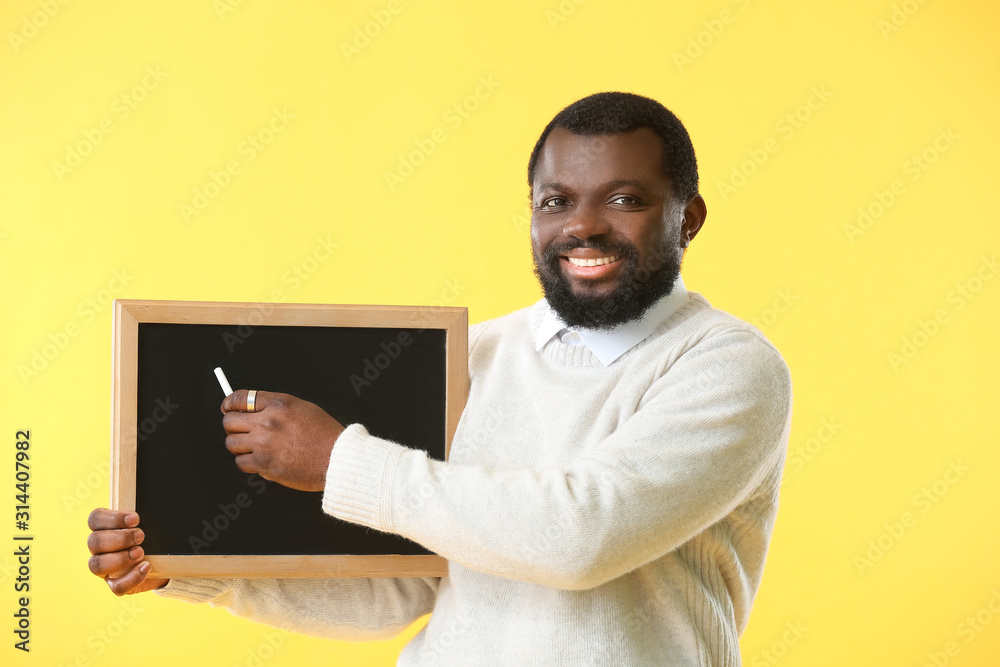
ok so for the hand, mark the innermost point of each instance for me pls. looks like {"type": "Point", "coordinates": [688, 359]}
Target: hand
{"type": "Point", "coordinates": [287, 440]}
{"type": "Point", "coordinates": [117, 556]}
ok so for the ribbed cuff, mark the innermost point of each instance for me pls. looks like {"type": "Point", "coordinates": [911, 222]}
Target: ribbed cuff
{"type": "Point", "coordinates": [195, 590]}
{"type": "Point", "coordinates": [359, 479]}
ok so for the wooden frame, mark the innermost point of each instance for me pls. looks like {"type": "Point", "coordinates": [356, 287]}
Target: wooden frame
{"type": "Point", "coordinates": [129, 313]}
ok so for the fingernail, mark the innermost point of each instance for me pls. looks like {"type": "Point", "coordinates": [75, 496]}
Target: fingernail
{"type": "Point", "coordinates": [132, 519]}
{"type": "Point", "coordinates": [134, 552]}
{"type": "Point", "coordinates": [144, 568]}
{"type": "Point", "coordinates": [139, 536]}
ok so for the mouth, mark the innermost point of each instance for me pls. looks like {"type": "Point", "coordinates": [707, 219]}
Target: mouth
{"type": "Point", "coordinates": [591, 267]}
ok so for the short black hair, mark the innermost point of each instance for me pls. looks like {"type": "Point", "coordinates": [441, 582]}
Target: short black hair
{"type": "Point", "coordinates": [617, 113]}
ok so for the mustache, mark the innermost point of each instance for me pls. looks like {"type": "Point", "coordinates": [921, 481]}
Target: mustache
{"type": "Point", "coordinates": [621, 248]}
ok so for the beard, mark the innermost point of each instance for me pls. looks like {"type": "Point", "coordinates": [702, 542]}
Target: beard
{"type": "Point", "coordinates": [639, 287]}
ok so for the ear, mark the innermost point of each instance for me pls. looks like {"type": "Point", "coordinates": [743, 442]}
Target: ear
{"type": "Point", "coordinates": [695, 213]}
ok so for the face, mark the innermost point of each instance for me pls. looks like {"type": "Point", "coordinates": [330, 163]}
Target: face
{"type": "Point", "coordinates": [607, 233]}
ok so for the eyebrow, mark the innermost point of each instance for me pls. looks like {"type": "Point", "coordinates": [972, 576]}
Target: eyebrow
{"type": "Point", "coordinates": [612, 184]}
{"type": "Point", "coordinates": [627, 181]}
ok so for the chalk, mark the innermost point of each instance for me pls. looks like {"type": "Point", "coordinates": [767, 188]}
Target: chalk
{"type": "Point", "coordinates": [223, 381]}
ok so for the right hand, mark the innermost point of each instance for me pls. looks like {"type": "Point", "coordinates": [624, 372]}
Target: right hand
{"type": "Point", "coordinates": [117, 556]}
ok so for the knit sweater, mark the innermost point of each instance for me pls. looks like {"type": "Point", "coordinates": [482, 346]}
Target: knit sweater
{"type": "Point", "coordinates": [590, 515]}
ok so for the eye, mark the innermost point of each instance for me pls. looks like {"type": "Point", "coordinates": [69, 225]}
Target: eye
{"type": "Point", "coordinates": [625, 200]}
{"type": "Point", "coordinates": [553, 202]}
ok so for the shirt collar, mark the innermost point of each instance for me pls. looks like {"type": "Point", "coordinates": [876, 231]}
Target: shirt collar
{"type": "Point", "coordinates": [607, 346]}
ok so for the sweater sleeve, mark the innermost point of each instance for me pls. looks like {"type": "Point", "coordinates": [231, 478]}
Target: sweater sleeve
{"type": "Point", "coordinates": [703, 438]}
{"type": "Point", "coordinates": [346, 609]}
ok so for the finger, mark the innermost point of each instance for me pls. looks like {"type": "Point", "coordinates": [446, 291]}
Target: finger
{"type": "Point", "coordinates": [106, 541]}
{"type": "Point", "coordinates": [115, 564]}
{"type": "Point", "coordinates": [237, 401]}
{"type": "Point", "coordinates": [130, 580]}
{"type": "Point", "coordinates": [105, 519]}
{"type": "Point", "coordinates": [240, 443]}
{"type": "Point", "coordinates": [238, 422]}
{"type": "Point", "coordinates": [247, 463]}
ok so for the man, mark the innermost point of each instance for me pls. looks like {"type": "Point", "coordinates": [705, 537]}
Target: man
{"type": "Point", "coordinates": [613, 481]}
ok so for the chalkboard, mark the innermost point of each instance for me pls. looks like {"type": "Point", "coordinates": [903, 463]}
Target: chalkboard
{"type": "Point", "coordinates": [401, 371]}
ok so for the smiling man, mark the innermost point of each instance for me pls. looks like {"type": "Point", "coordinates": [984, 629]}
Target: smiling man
{"type": "Point", "coordinates": [608, 228]}
{"type": "Point", "coordinates": [613, 480]}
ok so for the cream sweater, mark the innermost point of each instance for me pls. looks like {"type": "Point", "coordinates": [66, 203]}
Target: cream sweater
{"type": "Point", "coordinates": [590, 515]}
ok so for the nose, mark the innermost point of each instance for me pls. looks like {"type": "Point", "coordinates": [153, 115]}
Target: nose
{"type": "Point", "coordinates": [587, 220]}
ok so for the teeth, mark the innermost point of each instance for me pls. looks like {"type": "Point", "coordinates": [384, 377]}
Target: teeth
{"type": "Point", "coordinates": [592, 262]}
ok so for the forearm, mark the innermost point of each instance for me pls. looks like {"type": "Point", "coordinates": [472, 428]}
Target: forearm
{"type": "Point", "coordinates": [346, 609]}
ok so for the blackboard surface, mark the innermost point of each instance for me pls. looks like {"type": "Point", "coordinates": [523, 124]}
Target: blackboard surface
{"type": "Point", "coordinates": [191, 497]}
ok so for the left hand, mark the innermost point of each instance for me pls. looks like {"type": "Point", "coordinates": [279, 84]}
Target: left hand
{"type": "Point", "coordinates": [287, 440]}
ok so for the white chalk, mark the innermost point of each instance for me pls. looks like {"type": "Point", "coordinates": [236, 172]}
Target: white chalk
{"type": "Point", "coordinates": [223, 381]}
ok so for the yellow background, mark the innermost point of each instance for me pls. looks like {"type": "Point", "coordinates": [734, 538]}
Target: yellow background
{"type": "Point", "coordinates": [783, 250]}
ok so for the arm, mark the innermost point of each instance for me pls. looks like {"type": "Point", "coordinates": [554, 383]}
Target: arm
{"type": "Point", "coordinates": [703, 438]}
{"type": "Point", "coordinates": [347, 609]}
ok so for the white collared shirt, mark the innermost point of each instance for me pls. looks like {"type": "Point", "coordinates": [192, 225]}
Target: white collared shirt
{"type": "Point", "coordinates": [607, 346]}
